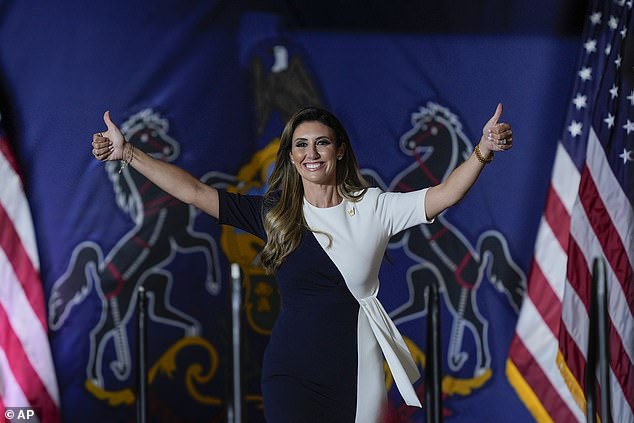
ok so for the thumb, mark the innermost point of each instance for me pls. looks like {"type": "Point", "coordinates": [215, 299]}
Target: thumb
{"type": "Point", "coordinates": [108, 121]}
{"type": "Point", "coordinates": [496, 116]}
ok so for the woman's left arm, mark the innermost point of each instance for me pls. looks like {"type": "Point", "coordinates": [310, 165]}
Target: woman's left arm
{"type": "Point", "coordinates": [496, 136]}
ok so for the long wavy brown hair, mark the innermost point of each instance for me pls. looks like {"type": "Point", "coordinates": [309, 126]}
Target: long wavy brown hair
{"type": "Point", "coordinates": [284, 220]}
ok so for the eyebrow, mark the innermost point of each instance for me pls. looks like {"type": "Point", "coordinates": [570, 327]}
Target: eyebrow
{"type": "Point", "coordinates": [317, 139]}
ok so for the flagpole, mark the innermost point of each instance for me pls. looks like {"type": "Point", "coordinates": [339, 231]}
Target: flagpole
{"type": "Point", "coordinates": [598, 347]}
{"type": "Point", "coordinates": [600, 286]}
{"type": "Point", "coordinates": [235, 408]}
{"type": "Point", "coordinates": [433, 390]}
{"type": "Point", "coordinates": [141, 403]}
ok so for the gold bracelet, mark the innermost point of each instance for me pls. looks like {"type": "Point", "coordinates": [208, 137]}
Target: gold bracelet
{"type": "Point", "coordinates": [479, 155]}
{"type": "Point", "coordinates": [128, 155]}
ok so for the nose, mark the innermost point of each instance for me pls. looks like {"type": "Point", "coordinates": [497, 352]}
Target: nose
{"type": "Point", "coordinates": [312, 152]}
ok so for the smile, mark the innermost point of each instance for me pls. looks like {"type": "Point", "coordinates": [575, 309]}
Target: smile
{"type": "Point", "coordinates": [314, 165]}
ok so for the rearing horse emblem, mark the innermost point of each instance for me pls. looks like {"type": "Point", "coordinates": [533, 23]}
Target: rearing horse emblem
{"type": "Point", "coordinates": [442, 253]}
{"type": "Point", "coordinates": [163, 227]}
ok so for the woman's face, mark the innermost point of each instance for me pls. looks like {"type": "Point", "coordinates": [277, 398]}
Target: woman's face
{"type": "Point", "coordinates": [314, 153]}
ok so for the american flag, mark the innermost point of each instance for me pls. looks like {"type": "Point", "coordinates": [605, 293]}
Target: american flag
{"type": "Point", "coordinates": [588, 214]}
{"type": "Point", "coordinates": [27, 375]}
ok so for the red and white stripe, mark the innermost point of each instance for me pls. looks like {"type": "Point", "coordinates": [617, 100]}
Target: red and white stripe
{"type": "Point", "coordinates": [532, 366]}
{"type": "Point", "coordinates": [27, 375]}
{"type": "Point", "coordinates": [586, 215]}
{"type": "Point", "coordinates": [595, 233]}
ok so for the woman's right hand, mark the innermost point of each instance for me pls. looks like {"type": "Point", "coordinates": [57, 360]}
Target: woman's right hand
{"type": "Point", "coordinates": [110, 144]}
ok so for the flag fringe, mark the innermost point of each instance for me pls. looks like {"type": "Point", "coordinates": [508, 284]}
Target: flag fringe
{"type": "Point", "coordinates": [526, 394]}
{"type": "Point", "coordinates": [571, 382]}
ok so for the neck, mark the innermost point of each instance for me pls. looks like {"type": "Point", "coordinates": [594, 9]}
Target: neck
{"type": "Point", "coordinates": [322, 195]}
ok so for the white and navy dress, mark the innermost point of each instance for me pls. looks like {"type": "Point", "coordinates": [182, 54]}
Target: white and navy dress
{"type": "Point", "coordinates": [324, 360]}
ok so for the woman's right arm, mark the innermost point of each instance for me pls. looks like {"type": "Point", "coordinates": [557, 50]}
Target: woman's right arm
{"type": "Point", "coordinates": [111, 145]}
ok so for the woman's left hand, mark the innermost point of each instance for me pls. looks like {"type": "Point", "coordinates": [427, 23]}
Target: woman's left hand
{"type": "Point", "coordinates": [496, 136]}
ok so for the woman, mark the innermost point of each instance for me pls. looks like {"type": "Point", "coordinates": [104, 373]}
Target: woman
{"type": "Point", "coordinates": [325, 234]}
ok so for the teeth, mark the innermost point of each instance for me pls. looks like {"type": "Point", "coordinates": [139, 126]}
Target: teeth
{"type": "Point", "coordinates": [312, 165]}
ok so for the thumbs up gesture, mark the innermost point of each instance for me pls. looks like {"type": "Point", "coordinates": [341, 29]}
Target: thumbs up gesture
{"type": "Point", "coordinates": [496, 136]}
{"type": "Point", "coordinates": [109, 144]}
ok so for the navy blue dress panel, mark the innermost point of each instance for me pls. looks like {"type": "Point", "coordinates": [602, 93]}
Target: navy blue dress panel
{"type": "Point", "coordinates": [242, 212]}
{"type": "Point", "coordinates": [309, 369]}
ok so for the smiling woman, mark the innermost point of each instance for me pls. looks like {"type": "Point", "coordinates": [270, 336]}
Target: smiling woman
{"type": "Point", "coordinates": [306, 168]}
{"type": "Point", "coordinates": [314, 154]}
{"type": "Point", "coordinates": [325, 234]}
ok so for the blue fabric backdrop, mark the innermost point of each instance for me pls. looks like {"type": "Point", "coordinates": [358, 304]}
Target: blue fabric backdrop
{"type": "Point", "coordinates": [208, 86]}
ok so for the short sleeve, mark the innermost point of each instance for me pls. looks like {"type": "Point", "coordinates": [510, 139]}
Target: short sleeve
{"type": "Point", "coordinates": [402, 210]}
{"type": "Point", "coordinates": [241, 211]}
